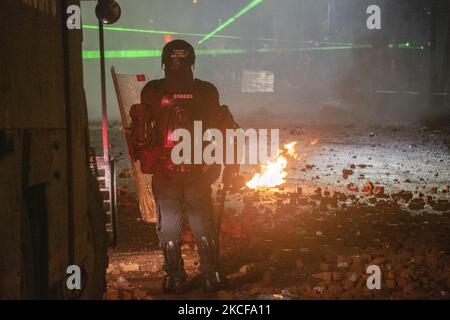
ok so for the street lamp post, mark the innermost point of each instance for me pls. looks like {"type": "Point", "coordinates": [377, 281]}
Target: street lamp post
{"type": "Point", "coordinates": [107, 12]}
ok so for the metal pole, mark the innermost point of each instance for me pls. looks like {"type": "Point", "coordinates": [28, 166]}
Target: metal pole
{"type": "Point", "coordinates": [103, 89]}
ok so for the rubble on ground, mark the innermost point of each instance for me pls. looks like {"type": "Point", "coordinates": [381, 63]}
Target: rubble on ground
{"type": "Point", "coordinates": [314, 238]}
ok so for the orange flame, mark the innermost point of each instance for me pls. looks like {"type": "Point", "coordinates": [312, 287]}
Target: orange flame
{"type": "Point", "coordinates": [290, 148]}
{"type": "Point", "coordinates": [274, 172]}
{"type": "Point", "coordinates": [314, 141]}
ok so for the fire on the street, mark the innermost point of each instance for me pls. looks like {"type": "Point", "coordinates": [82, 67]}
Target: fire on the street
{"type": "Point", "coordinates": [274, 173]}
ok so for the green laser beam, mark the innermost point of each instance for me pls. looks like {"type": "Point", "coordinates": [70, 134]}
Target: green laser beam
{"type": "Point", "coordinates": [403, 92]}
{"type": "Point", "coordinates": [213, 52]}
{"type": "Point", "coordinates": [132, 30]}
{"type": "Point", "coordinates": [117, 54]}
{"type": "Point", "coordinates": [267, 50]}
{"type": "Point", "coordinates": [114, 54]}
{"type": "Point", "coordinates": [251, 5]}
{"type": "Point", "coordinates": [406, 45]}
{"type": "Point", "coordinates": [163, 32]}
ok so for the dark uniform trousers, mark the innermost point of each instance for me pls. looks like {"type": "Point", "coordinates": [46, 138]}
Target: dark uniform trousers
{"type": "Point", "coordinates": [189, 193]}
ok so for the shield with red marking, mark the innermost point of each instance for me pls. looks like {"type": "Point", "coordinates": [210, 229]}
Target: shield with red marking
{"type": "Point", "coordinates": [128, 89]}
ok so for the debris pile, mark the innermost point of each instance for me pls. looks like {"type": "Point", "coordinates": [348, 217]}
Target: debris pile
{"type": "Point", "coordinates": [348, 203]}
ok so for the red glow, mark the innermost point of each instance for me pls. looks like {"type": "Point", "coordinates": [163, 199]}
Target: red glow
{"type": "Point", "coordinates": [165, 101]}
{"type": "Point", "coordinates": [169, 142]}
{"type": "Point", "coordinates": [167, 38]}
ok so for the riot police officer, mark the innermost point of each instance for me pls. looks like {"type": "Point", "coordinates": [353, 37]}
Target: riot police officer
{"type": "Point", "coordinates": [176, 101]}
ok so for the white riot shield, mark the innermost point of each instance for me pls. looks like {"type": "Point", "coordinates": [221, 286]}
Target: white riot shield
{"type": "Point", "coordinates": [128, 90]}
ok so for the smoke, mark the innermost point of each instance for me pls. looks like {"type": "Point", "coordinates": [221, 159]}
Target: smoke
{"type": "Point", "coordinates": [320, 63]}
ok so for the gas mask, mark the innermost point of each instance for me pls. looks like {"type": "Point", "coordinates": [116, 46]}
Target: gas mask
{"type": "Point", "coordinates": [178, 59]}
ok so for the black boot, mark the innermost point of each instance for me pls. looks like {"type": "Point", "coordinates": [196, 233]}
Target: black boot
{"type": "Point", "coordinates": [209, 266]}
{"type": "Point", "coordinates": [175, 279]}
{"type": "Point", "coordinates": [212, 281]}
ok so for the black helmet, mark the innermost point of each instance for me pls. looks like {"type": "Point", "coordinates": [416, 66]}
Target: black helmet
{"type": "Point", "coordinates": [178, 54]}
